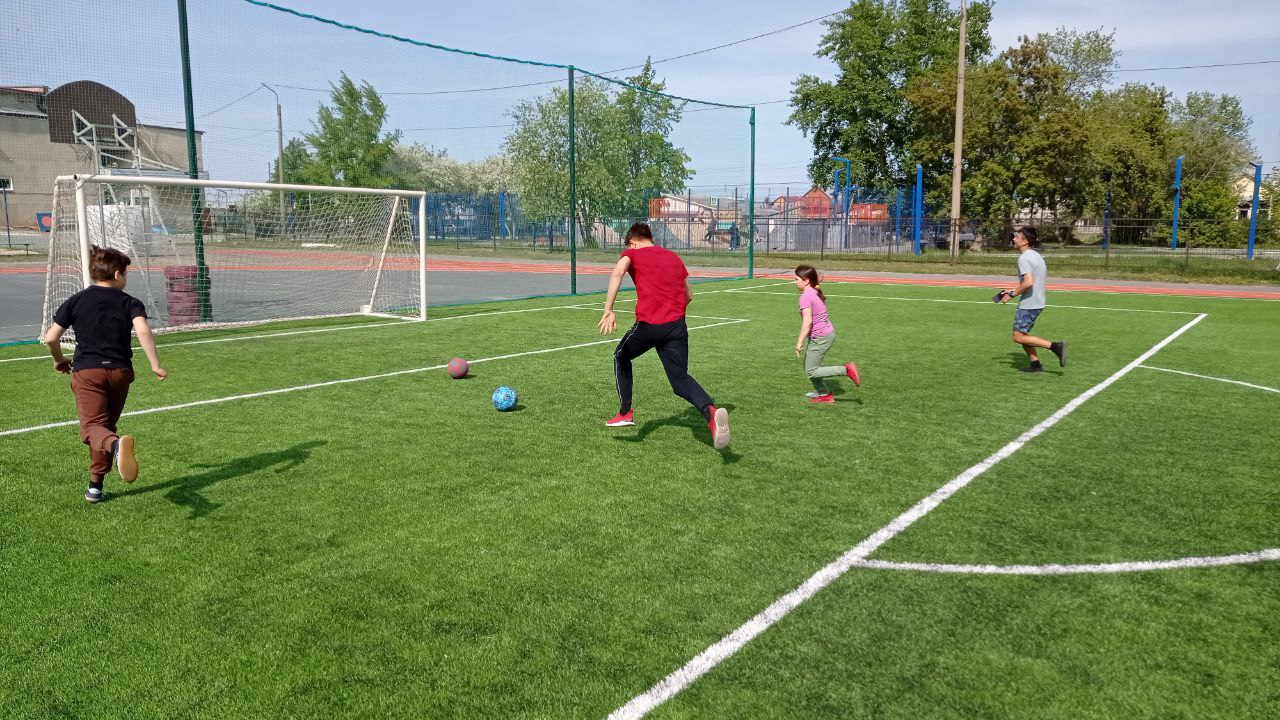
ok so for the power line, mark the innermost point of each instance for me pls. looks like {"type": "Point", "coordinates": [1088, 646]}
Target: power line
{"type": "Point", "coordinates": [729, 44]}
{"type": "Point", "coordinates": [1194, 67]}
{"type": "Point", "coordinates": [233, 102]}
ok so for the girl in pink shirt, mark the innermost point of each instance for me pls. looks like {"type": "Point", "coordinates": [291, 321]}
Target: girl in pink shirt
{"type": "Point", "coordinates": [816, 330]}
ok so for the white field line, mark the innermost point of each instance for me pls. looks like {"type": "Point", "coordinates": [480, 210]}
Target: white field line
{"type": "Point", "coordinates": [974, 302]}
{"type": "Point", "coordinates": [1096, 568]}
{"type": "Point", "coordinates": [727, 646]}
{"type": "Point", "coordinates": [329, 383]}
{"type": "Point", "coordinates": [406, 321]}
{"type": "Point", "coordinates": [335, 328]}
{"type": "Point", "coordinates": [1204, 297]}
{"type": "Point", "coordinates": [597, 308]}
{"type": "Point", "coordinates": [1210, 377]}
{"type": "Point", "coordinates": [234, 338]}
{"type": "Point", "coordinates": [1056, 290]}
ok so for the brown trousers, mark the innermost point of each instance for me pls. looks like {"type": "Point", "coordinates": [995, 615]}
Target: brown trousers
{"type": "Point", "coordinates": [100, 395]}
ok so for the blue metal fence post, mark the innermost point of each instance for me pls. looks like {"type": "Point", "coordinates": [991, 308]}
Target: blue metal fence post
{"type": "Point", "coordinates": [835, 193]}
{"type": "Point", "coordinates": [897, 220]}
{"type": "Point", "coordinates": [917, 208]}
{"type": "Point", "coordinates": [1106, 222]}
{"type": "Point", "coordinates": [1177, 202]}
{"type": "Point", "coordinates": [1253, 211]}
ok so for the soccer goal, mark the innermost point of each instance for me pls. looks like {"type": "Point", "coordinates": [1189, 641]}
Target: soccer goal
{"type": "Point", "coordinates": [210, 253]}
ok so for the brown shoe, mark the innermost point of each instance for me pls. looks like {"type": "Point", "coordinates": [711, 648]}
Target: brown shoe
{"type": "Point", "coordinates": [126, 462]}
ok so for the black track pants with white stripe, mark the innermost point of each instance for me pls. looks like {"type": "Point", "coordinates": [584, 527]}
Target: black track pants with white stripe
{"type": "Point", "coordinates": [671, 340]}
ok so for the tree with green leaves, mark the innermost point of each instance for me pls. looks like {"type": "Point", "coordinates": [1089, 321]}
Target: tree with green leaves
{"type": "Point", "coordinates": [296, 157]}
{"type": "Point", "coordinates": [622, 147]}
{"type": "Point", "coordinates": [419, 167]}
{"type": "Point", "coordinates": [1211, 131]}
{"type": "Point", "coordinates": [348, 144]}
{"type": "Point", "coordinates": [1130, 142]}
{"type": "Point", "coordinates": [879, 48]}
{"type": "Point", "coordinates": [1026, 142]}
{"type": "Point", "coordinates": [1088, 59]}
{"type": "Point", "coordinates": [652, 165]}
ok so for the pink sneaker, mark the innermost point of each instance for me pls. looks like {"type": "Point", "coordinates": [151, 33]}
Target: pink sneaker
{"type": "Point", "coordinates": [719, 427]}
{"type": "Point", "coordinates": [852, 371]}
{"type": "Point", "coordinates": [828, 398]}
{"type": "Point", "coordinates": [621, 419]}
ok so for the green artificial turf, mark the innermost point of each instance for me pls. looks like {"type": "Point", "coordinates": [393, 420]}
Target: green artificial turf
{"type": "Point", "coordinates": [394, 547]}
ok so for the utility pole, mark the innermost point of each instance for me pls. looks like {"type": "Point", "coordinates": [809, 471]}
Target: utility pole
{"type": "Point", "coordinates": [279, 146]}
{"type": "Point", "coordinates": [957, 154]}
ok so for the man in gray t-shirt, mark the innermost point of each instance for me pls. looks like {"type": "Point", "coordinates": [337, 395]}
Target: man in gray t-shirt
{"type": "Point", "coordinates": [1031, 281]}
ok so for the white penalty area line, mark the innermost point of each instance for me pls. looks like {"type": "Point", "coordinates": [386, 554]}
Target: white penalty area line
{"type": "Point", "coordinates": [1210, 377]}
{"type": "Point", "coordinates": [405, 321]}
{"type": "Point", "coordinates": [330, 383]}
{"type": "Point", "coordinates": [598, 307]}
{"type": "Point", "coordinates": [234, 338]}
{"type": "Point", "coordinates": [333, 328]}
{"type": "Point", "coordinates": [1085, 569]}
{"type": "Point", "coordinates": [976, 302]}
{"type": "Point", "coordinates": [730, 644]}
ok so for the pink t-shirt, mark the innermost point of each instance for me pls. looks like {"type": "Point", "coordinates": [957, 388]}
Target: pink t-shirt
{"type": "Point", "coordinates": [821, 323]}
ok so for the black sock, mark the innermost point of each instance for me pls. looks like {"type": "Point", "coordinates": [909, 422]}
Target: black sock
{"type": "Point", "coordinates": [95, 483]}
{"type": "Point", "coordinates": [1035, 363]}
{"type": "Point", "coordinates": [706, 413]}
{"type": "Point", "coordinates": [1055, 347]}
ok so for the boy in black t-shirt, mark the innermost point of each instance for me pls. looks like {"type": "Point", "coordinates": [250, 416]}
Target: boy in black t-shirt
{"type": "Point", "coordinates": [102, 315]}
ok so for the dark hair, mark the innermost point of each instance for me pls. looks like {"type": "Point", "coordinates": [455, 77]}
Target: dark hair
{"type": "Point", "coordinates": [1030, 234]}
{"type": "Point", "coordinates": [104, 263]}
{"type": "Point", "coordinates": [639, 230]}
{"type": "Point", "coordinates": [810, 273]}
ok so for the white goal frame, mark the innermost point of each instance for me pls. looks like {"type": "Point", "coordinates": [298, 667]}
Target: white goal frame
{"type": "Point", "coordinates": [82, 225]}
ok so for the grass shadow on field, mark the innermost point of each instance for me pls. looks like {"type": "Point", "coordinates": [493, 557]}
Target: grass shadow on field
{"type": "Point", "coordinates": [691, 419]}
{"type": "Point", "coordinates": [1017, 360]}
{"type": "Point", "coordinates": [186, 490]}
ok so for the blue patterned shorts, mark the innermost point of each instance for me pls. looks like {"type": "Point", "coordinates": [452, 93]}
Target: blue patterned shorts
{"type": "Point", "coordinates": [1025, 319]}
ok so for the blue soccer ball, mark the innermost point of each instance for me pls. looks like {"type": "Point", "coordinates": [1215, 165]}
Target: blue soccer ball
{"type": "Point", "coordinates": [504, 398]}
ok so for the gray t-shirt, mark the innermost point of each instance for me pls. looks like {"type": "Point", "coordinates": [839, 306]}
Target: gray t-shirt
{"type": "Point", "coordinates": [1031, 262]}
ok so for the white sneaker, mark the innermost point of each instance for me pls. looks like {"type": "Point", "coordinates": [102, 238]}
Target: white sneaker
{"type": "Point", "coordinates": [814, 394]}
{"type": "Point", "coordinates": [719, 426]}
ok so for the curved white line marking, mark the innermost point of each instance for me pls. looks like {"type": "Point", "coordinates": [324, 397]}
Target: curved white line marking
{"type": "Point", "coordinates": [331, 383]}
{"type": "Point", "coordinates": [1097, 568]}
{"type": "Point", "coordinates": [726, 647]}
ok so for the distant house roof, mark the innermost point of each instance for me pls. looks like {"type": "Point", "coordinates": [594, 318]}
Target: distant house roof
{"type": "Point", "coordinates": [30, 89]}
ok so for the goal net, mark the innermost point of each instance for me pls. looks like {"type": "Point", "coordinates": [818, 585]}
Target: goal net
{"type": "Point", "coordinates": [209, 253]}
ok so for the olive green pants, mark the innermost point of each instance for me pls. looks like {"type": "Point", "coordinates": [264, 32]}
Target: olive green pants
{"type": "Point", "coordinates": [813, 367]}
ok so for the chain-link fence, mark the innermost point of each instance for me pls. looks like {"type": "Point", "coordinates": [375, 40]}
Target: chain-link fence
{"type": "Point", "coordinates": [891, 226]}
{"type": "Point", "coordinates": [523, 162]}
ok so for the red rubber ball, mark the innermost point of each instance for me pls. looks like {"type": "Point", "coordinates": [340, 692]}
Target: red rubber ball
{"type": "Point", "coordinates": [458, 368]}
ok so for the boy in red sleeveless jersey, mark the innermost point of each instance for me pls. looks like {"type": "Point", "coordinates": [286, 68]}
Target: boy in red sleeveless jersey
{"type": "Point", "coordinates": [662, 293]}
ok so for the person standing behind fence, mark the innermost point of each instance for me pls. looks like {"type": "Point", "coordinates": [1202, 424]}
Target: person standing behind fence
{"type": "Point", "coordinates": [1032, 276]}
{"type": "Point", "coordinates": [817, 335]}
{"type": "Point", "coordinates": [102, 369]}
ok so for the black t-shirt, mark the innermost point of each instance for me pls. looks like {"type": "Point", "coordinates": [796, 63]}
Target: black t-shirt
{"type": "Point", "coordinates": [102, 318]}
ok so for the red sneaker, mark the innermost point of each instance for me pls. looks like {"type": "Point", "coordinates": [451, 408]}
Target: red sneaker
{"type": "Point", "coordinates": [719, 427]}
{"type": "Point", "coordinates": [828, 398]}
{"type": "Point", "coordinates": [621, 419]}
{"type": "Point", "coordinates": [852, 371]}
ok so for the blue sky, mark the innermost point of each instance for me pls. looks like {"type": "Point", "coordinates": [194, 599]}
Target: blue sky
{"type": "Point", "coordinates": [603, 36]}
{"type": "Point", "coordinates": [237, 46]}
